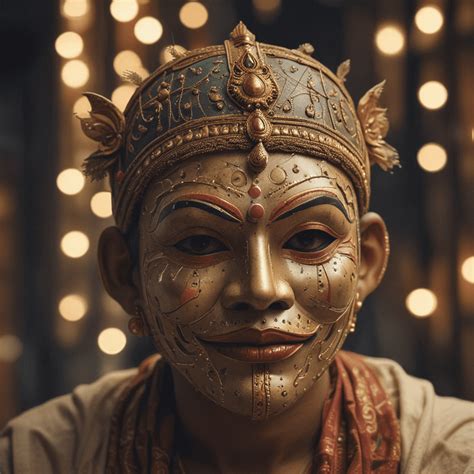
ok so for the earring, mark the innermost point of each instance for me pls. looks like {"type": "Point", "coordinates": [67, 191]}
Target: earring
{"type": "Point", "coordinates": [357, 308]}
{"type": "Point", "coordinates": [136, 324]}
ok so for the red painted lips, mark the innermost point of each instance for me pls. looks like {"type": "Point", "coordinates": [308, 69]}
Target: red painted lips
{"type": "Point", "coordinates": [255, 346]}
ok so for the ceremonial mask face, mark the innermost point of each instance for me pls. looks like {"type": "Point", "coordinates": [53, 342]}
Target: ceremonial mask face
{"type": "Point", "coordinates": [249, 280]}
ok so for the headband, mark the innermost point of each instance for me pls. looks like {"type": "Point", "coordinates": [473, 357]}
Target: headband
{"type": "Point", "coordinates": [242, 95]}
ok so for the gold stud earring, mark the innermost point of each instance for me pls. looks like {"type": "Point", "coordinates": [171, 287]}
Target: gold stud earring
{"type": "Point", "coordinates": [136, 324]}
{"type": "Point", "coordinates": [358, 306]}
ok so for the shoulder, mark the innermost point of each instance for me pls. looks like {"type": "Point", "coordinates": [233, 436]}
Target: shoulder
{"type": "Point", "coordinates": [66, 434]}
{"type": "Point", "coordinates": [437, 432]}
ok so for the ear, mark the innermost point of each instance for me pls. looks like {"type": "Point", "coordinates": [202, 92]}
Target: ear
{"type": "Point", "coordinates": [116, 268]}
{"type": "Point", "coordinates": [374, 252]}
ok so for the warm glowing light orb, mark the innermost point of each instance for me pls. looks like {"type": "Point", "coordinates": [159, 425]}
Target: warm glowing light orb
{"type": "Point", "coordinates": [126, 61]}
{"type": "Point", "coordinates": [81, 106]}
{"type": "Point", "coordinates": [148, 30]}
{"type": "Point", "coordinates": [390, 40]}
{"type": "Point", "coordinates": [124, 10]}
{"type": "Point", "coordinates": [193, 15]}
{"type": "Point", "coordinates": [69, 45]}
{"type": "Point", "coordinates": [101, 204]}
{"type": "Point", "coordinates": [72, 307]}
{"type": "Point", "coordinates": [432, 95]}
{"type": "Point", "coordinates": [432, 157]}
{"type": "Point", "coordinates": [467, 269]}
{"type": "Point", "coordinates": [75, 73]}
{"type": "Point", "coordinates": [266, 6]}
{"type": "Point", "coordinates": [421, 302]}
{"type": "Point", "coordinates": [75, 244]}
{"type": "Point", "coordinates": [121, 95]}
{"type": "Point", "coordinates": [111, 341]}
{"type": "Point", "coordinates": [70, 181]}
{"type": "Point", "coordinates": [11, 348]}
{"type": "Point", "coordinates": [429, 19]}
{"type": "Point", "coordinates": [75, 8]}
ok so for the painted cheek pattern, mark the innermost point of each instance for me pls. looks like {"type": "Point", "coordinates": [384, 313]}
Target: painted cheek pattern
{"type": "Point", "coordinates": [326, 290]}
{"type": "Point", "coordinates": [185, 294]}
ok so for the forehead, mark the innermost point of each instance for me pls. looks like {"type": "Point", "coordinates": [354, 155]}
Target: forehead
{"type": "Point", "coordinates": [226, 175]}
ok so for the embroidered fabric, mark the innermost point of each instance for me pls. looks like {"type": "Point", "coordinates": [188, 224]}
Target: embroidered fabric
{"type": "Point", "coordinates": [360, 434]}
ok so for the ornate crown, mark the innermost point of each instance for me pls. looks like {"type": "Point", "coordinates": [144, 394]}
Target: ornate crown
{"type": "Point", "coordinates": [244, 95]}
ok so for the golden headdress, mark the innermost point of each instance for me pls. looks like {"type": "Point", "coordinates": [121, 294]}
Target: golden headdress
{"type": "Point", "coordinates": [242, 95]}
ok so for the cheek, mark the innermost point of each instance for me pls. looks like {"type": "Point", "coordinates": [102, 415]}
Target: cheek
{"type": "Point", "coordinates": [181, 294]}
{"type": "Point", "coordinates": [328, 289]}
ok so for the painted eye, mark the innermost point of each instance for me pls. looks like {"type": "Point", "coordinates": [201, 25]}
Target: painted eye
{"type": "Point", "coordinates": [200, 245]}
{"type": "Point", "coordinates": [311, 240]}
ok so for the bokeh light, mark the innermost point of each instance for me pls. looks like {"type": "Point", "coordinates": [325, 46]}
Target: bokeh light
{"type": "Point", "coordinates": [69, 45]}
{"type": "Point", "coordinates": [429, 19]}
{"type": "Point", "coordinates": [72, 307]}
{"type": "Point", "coordinates": [121, 95]}
{"type": "Point", "coordinates": [75, 73]}
{"type": "Point", "coordinates": [127, 61]}
{"type": "Point", "coordinates": [266, 6]}
{"type": "Point", "coordinates": [81, 106]}
{"type": "Point", "coordinates": [148, 30]}
{"type": "Point", "coordinates": [193, 15]}
{"type": "Point", "coordinates": [432, 95]}
{"type": "Point", "coordinates": [421, 302]}
{"type": "Point", "coordinates": [390, 40]}
{"type": "Point", "coordinates": [432, 157]}
{"type": "Point", "coordinates": [111, 341]}
{"type": "Point", "coordinates": [70, 181]}
{"type": "Point", "coordinates": [11, 348]}
{"type": "Point", "coordinates": [101, 204]}
{"type": "Point", "coordinates": [75, 8]}
{"type": "Point", "coordinates": [75, 244]}
{"type": "Point", "coordinates": [124, 10]}
{"type": "Point", "coordinates": [467, 269]}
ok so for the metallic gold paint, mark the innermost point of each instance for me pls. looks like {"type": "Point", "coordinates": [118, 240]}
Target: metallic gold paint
{"type": "Point", "coordinates": [254, 283]}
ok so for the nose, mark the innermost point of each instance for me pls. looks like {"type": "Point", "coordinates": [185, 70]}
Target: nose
{"type": "Point", "coordinates": [261, 287]}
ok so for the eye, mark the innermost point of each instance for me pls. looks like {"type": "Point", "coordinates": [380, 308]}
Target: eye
{"type": "Point", "coordinates": [200, 245]}
{"type": "Point", "coordinates": [311, 240]}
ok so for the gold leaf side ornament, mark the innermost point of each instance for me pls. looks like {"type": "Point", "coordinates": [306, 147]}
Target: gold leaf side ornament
{"type": "Point", "coordinates": [374, 121]}
{"type": "Point", "coordinates": [343, 70]}
{"type": "Point", "coordinates": [105, 125]}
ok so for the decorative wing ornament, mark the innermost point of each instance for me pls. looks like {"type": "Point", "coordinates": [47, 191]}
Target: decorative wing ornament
{"type": "Point", "coordinates": [374, 121]}
{"type": "Point", "coordinates": [105, 125]}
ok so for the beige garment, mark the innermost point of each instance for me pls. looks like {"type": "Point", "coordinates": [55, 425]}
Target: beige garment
{"type": "Point", "coordinates": [69, 434]}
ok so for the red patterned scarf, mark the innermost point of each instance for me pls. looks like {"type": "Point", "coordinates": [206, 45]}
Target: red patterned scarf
{"type": "Point", "coordinates": [360, 431]}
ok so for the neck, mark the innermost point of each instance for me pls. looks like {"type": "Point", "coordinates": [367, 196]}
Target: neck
{"type": "Point", "coordinates": [211, 438]}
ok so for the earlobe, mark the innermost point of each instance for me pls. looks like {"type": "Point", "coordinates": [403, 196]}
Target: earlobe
{"type": "Point", "coordinates": [116, 269]}
{"type": "Point", "coordinates": [374, 252]}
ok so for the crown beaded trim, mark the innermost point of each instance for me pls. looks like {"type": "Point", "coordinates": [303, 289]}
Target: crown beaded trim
{"type": "Point", "coordinates": [245, 96]}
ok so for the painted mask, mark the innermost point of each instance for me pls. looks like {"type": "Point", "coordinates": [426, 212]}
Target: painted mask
{"type": "Point", "coordinates": [250, 279]}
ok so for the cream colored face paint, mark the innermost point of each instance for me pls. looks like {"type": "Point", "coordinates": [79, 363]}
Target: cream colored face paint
{"type": "Point", "coordinates": [249, 280]}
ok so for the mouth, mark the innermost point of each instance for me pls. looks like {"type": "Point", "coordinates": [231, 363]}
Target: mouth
{"type": "Point", "coordinates": [254, 346]}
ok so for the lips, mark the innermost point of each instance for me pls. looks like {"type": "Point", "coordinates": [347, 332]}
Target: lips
{"type": "Point", "coordinates": [255, 346]}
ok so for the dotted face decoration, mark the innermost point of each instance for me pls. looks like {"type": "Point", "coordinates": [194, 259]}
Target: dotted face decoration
{"type": "Point", "coordinates": [187, 295]}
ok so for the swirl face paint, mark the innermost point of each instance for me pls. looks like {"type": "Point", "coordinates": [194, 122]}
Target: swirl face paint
{"type": "Point", "coordinates": [249, 279]}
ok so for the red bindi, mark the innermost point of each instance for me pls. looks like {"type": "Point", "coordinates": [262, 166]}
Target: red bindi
{"type": "Point", "coordinates": [256, 211]}
{"type": "Point", "coordinates": [254, 191]}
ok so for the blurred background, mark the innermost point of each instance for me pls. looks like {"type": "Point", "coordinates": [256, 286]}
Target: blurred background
{"type": "Point", "coordinates": [58, 328]}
